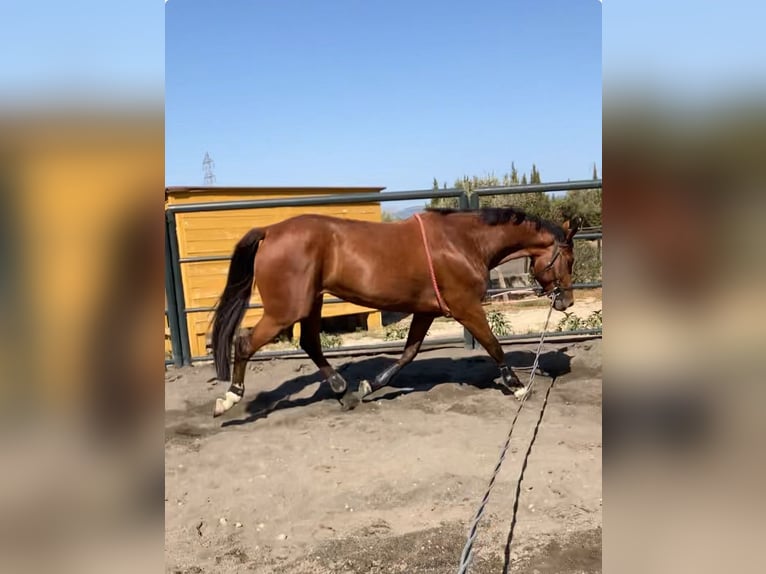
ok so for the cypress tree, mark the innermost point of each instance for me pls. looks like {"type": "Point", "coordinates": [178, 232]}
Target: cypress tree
{"type": "Point", "coordinates": [514, 174]}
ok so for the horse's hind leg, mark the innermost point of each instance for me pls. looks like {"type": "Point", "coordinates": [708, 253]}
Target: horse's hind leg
{"type": "Point", "coordinates": [244, 347]}
{"type": "Point", "coordinates": [311, 343]}
{"type": "Point", "coordinates": [418, 331]}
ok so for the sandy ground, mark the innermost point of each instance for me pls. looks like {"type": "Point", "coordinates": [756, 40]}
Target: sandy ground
{"type": "Point", "coordinates": [287, 482]}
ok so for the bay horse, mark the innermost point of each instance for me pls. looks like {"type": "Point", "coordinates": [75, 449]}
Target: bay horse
{"type": "Point", "coordinates": [432, 264]}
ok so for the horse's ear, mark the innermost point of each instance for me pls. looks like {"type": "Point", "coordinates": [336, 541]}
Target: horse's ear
{"type": "Point", "coordinates": [571, 226]}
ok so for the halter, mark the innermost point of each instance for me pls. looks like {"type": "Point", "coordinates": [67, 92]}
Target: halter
{"type": "Point", "coordinates": [553, 259]}
{"type": "Point", "coordinates": [557, 288]}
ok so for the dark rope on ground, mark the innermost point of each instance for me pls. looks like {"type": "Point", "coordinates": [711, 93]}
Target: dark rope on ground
{"type": "Point", "coordinates": [517, 496]}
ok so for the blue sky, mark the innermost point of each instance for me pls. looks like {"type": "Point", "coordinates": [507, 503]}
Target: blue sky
{"type": "Point", "coordinates": [89, 50]}
{"type": "Point", "coordinates": [687, 51]}
{"type": "Point", "coordinates": [377, 92]}
{"type": "Point", "coordinates": [381, 92]}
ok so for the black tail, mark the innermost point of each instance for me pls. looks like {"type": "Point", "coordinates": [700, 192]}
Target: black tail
{"type": "Point", "coordinates": [233, 304]}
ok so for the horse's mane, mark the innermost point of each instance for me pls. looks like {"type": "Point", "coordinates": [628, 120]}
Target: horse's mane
{"type": "Point", "coordinates": [500, 215]}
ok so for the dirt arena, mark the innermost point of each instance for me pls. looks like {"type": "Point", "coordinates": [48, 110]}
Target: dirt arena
{"type": "Point", "coordinates": [287, 482]}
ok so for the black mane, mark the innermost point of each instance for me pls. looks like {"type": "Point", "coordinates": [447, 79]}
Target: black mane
{"type": "Point", "coordinates": [501, 215]}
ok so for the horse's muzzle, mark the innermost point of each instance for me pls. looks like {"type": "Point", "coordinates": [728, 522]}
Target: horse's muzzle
{"type": "Point", "coordinates": [562, 302]}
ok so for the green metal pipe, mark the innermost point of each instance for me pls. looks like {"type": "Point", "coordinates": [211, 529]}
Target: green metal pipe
{"type": "Point", "coordinates": [183, 330]}
{"type": "Point", "coordinates": [539, 187]}
{"type": "Point", "coordinates": [171, 312]}
{"type": "Point", "coordinates": [351, 198]}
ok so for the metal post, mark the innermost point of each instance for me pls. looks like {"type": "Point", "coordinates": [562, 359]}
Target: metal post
{"type": "Point", "coordinates": [172, 308]}
{"type": "Point", "coordinates": [463, 201]}
{"type": "Point", "coordinates": [183, 328]}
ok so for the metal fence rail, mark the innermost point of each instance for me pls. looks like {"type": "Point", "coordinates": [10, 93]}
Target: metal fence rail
{"type": "Point", "coordinates": [350, 198]}
{"type": "Point", "coordinates": [176, 308]}
{"type": "Point", "coordinates": [538, 187]}
{"type": "Point", "coordinates": [395, 347]}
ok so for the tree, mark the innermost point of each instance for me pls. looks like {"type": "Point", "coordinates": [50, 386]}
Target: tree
{"type": "Point", "coordinates": [514, 174]}
{"type": "Point", "coordinates": [439, 202]}
{"type": "Point", "coordinates": [537, 204]}
{"type": "Point", "coordinates": [475, 182]}
{"type": "Point", "coordinates": [468, 184]}
{"type": "Point", "coordinates": [534, 177]}
{"type": "Point", "coordinates": [583, 202]}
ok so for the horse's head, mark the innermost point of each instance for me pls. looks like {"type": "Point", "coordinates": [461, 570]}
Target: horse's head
{"type": "Point", "coordinates": [552, 267]}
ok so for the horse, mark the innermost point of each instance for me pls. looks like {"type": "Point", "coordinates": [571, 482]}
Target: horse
{"type": "Point", "coordinates": [432, 264]}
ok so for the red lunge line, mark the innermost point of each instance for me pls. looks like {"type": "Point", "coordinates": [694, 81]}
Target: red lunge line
{"type": "Point", "coordinates": [442, 303]}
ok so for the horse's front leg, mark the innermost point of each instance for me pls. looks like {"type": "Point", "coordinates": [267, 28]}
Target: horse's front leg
{"type": "Point", "coordinates": [474, 319]}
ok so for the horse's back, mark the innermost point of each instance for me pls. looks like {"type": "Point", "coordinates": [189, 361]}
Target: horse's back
{"type": "Point", "coordinates": [327, 238]}
{"type": "Point", "coordinates": [326, 230]}
{"type": "Point", "coordinates": [317, 220]}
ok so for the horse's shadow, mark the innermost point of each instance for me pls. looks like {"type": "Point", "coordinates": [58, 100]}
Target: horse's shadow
{"type": "Point", "coordinates": [419, 376]}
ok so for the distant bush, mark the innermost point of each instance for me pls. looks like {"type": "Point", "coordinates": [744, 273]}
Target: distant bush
{"type": "Point", "coordinates": [571, 322]}
{"type": "Point", "coordinates": [396, 332]}
{"type": "Point", "coordinates": [587, 262]}
{"type": "Point", "coordinates": [330, 341]}
{"type": "Point", "coordinates": [326, 341]}
{"type": "Point", "coordinates": [498, 324]}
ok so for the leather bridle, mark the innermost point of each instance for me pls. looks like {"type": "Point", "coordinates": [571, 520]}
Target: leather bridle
{"type": "Point", "coordinates": [557, 288]}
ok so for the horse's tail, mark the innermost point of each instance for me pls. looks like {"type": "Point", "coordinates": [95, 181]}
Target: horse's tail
{"type": "Point", "coordinates": [233, 303]}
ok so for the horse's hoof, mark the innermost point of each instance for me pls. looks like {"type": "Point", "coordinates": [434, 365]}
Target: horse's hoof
{"type": "Point", "coordinates": [337, 383]}
{"type": "Point", "coordinates": [505, 386]}
{"type": "Point", "coordinates": [365, 388]}
{"type": "Point", "coordinates": [350, 401]}
{"type": "Point", "coordinates": [224, 404]}
{"type": "Point", "coordinates": [515, 388]}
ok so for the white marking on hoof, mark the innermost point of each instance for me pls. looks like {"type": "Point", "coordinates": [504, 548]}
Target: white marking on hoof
{"type": "Point", "coordinates": [224, 404]}
{"type": "Point", "coordinates": [520, 392]}
{"type": "Point", "coordinates": [365, 388]}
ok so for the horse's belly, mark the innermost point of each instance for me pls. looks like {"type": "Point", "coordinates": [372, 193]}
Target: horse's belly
{"type": "Point", "coordinates": [388, 289]}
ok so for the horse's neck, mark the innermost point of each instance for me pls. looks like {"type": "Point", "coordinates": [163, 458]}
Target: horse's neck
{"type": "Point", "coordinates": [510, 241]}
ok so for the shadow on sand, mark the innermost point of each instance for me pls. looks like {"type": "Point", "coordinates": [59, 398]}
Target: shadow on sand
{"type": "Point", "coordinates": [420, 376]}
